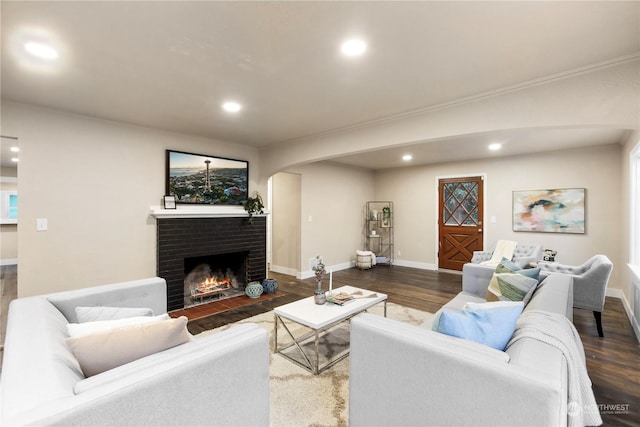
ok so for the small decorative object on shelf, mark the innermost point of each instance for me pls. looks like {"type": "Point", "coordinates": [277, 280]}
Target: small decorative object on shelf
{"type": "Point", "coordinates": [549, 255]}
{"type": "Point", "coordinates": [169, 202]}
{"type": "Point", "coordinates": [253, 290]}
{"type": "Point", "coordinates": [319, 271]}
{"type": "Point", "coordinates": [386, 217]}
{"type": "Point", "coordinates": [270, 286]}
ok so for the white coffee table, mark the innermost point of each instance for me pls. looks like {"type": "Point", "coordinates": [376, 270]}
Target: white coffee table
{"type": "Point", "coordinates": [320, 319]}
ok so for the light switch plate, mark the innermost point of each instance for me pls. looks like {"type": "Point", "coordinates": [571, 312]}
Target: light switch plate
{"type": "Point", "coordinates": [41, 224]}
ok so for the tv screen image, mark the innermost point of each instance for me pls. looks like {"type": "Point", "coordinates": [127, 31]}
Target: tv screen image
{"type": "Point", "coordinates": [201, 179]}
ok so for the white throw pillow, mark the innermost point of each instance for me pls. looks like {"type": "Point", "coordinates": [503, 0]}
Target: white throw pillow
{"type": "Point", "coordinates": [87, 328]}
{"type": "Point", "coordinates": [105, 350]}
{"type": "Point", "coordinates": [92, 314]}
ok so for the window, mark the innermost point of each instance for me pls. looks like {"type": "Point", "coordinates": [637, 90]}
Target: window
{"type": "Point", "coordinates": [8, 206]}
{"type": "Point", "coordinates": [13, 206]}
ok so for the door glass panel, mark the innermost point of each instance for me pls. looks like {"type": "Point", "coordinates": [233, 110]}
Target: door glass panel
{"type": "Point", "coordinates": [461, 203]}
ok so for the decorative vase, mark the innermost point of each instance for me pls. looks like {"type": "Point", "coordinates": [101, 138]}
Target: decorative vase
{"type": "Point", "coordinates": [253, 290]}
{"type": "Point", "coordinates": [270, 286]}
{"type": "Point", "coordinates": [319, 296]}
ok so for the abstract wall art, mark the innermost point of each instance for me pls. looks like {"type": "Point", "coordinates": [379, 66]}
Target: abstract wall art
{"type": "Point", "coordinates": [549, 211]}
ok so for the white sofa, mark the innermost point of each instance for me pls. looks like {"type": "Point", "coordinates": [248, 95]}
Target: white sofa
{"type": "Point", "coordinates": [405, 375]}
{"type": "Point", "coordinates": [218, 380]}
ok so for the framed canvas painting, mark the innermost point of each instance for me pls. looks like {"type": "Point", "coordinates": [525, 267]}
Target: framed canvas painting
{"type": "Point", "coordinates": [201, 179]}
{"type": "Point", "coordinates": [549, 211]}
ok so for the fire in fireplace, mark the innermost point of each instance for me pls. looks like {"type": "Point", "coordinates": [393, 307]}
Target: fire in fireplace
{"type": "Point", "coordinates": [214, 277]}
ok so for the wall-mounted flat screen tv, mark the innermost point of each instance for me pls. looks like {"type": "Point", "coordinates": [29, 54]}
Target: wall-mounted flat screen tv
{"type": "Point", "coordinates": [201, 179]}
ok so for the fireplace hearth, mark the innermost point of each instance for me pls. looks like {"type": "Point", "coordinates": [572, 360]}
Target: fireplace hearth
{"type": "Point", "coordinates": [222, 249]}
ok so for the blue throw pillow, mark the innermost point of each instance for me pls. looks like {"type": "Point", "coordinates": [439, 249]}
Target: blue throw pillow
{"type": "Point", "coordinates": [490, 323]}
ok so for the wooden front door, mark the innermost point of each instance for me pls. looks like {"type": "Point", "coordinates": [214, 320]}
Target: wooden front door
{"type": "Point", "coordinates": [460, 216]}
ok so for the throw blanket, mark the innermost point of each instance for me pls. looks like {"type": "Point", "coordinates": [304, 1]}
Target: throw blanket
{"type": "Point", "coordinates": [504, 249]}
{"type": "Point", "coordinates": [558, 331]}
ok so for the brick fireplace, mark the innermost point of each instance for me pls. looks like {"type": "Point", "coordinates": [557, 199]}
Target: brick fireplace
{"type": "Point", "coordinates": [189, 237]}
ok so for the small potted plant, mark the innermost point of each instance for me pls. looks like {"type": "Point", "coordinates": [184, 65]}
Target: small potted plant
{"type": "Point", "coordinates": [254, 206]}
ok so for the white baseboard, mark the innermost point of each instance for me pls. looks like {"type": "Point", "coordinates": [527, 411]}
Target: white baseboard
{"type": "Point", "coordinates": [336, 267]}
{"type": "Point", "coordinates": [415, 264]}
{"type": "Point", "coordinates": [617, 293]}
{"type": "Point", "coordinates": [8, 261]}
{"type": "Point", "coordinates": [346, 265]}
{"type": "Point", "coordinates": [283, 270]}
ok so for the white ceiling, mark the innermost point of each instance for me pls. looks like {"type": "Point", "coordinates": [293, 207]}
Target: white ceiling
{"type": "Point", "coordinates": [467, 147]}
{"type": "Point", "coordinates": [169, 65]}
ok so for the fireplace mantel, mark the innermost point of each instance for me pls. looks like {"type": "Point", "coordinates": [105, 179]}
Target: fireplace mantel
{"type": "Point", "coordinates": [200, 211]}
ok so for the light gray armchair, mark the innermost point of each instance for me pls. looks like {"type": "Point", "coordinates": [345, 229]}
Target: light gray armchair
{"type": "Point", "coordinates": [524, 254]}
{"type": "Point", "coordinates": [590, 282]}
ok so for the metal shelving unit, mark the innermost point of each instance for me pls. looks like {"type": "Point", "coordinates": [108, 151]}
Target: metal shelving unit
{"type": "Point", "coordinates": [379, 230]}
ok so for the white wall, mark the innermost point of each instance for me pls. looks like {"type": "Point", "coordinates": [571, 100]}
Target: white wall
{"type": "Point", "coordinates": [333, 198]}
{"type": "Point", "coordinates": [414, 193]}
{"type": "Point", "coordinates": [94, 180]}
{"type": "Point", "coordinates": [8, 244]}
{"type": "Point", "coordinates": [285, 220]}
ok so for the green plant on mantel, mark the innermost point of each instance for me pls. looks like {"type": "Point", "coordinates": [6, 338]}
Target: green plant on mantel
{"type": "Point", "coordinates": [254, 206]}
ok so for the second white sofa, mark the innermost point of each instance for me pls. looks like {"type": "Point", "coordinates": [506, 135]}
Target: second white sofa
{"type": "Point", "coordinates": [405, 375]}
{"type": "Point", "coordinates": [219, 380]}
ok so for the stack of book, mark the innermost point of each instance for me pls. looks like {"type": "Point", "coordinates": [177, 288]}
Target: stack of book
{"type": "Point", "coordinates": [340, 298]}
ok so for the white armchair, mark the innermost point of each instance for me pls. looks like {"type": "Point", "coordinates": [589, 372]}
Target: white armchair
{"type": "Point", "coordinates": [590, 282]}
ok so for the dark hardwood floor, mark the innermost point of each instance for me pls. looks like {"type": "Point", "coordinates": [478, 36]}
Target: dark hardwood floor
{"type": "Point", "coordinates": [613, 362]}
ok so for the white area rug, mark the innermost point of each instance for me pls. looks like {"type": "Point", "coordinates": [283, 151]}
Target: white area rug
{"type": "Point", "coordinates": [299, 398]}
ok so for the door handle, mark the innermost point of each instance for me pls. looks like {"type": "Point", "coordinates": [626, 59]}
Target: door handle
{"type": "Point", "coordinates": [479, 230]}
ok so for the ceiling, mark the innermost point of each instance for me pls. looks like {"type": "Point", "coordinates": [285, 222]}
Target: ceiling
{"type": "Point", "coordinates": [170, 65]}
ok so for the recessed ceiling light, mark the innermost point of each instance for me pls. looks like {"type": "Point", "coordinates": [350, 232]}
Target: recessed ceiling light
{"type": "Point", "coordinates": [14, 149]}
{"type": "Point", "coordinates": [41, 50]}
{"type": "Point", "coordinates": [14, 159]}
{"type": "Point", "coordinates": [407, 157]}
{"type": "Point", "coordinates": [353, 47]}
{"type": "Point", "coordinates": [231, 107]}
{"type": "Point", "coordinates": [495, 146]}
